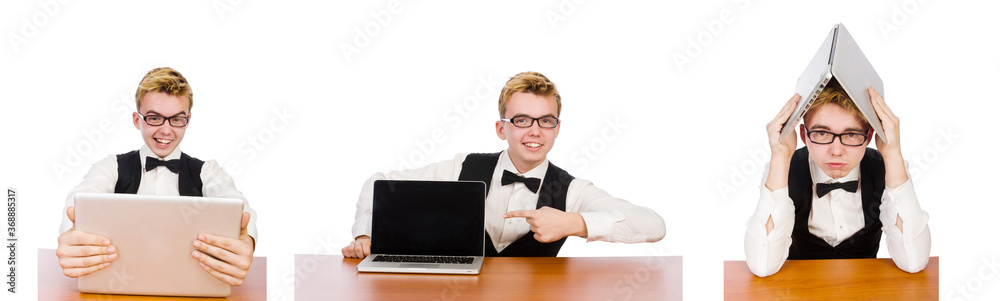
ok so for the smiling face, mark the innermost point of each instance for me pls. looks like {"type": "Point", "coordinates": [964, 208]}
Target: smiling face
{"type": "Point", "coordinates": [162, 139]}
{"type": "Point", "coordinates": [528, 146]}
{"type": "Point", "coordinates": [835, 159]}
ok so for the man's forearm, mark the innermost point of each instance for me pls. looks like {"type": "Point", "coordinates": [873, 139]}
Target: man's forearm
{"type": "Point", "coordinates": [895, 170]}
{"type": "Point", "coordinates": [777, 174]}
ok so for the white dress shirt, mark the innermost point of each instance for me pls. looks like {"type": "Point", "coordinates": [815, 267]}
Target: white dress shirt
{"type": "Point", "coordinates": [838, 214]}
{"type": "Point", "coordinates": [607, 218]}
{"type": "Point", "coordinates": [835, 217]}
{"type": "Point", "coordinates": [103, 176]}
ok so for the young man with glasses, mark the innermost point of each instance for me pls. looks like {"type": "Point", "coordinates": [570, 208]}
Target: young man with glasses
{"type": "Point", "coordinates": [835, 197]}
{"type": "Point", "coordinates": [531, 205]}
{"type": "Point", "coordinates": [163, 102]}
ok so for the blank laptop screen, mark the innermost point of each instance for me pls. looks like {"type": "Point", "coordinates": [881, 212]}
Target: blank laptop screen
{"type": "Point", "coordinates": [428, 218]}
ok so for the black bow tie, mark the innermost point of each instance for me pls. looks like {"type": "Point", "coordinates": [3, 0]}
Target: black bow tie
{"type": "Point", "coordinates": [173, 165]}
{"type": "Point", "coordinates": [822, 189]}
{"type": "Point", "coordinates": [531, 183]}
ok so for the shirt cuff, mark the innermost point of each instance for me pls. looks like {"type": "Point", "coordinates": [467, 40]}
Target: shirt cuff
{"type": "Point", "coordinates": [904, 200]}
{"type": "Point", "coordinates": [774, 204]}
{"type": "Point", "coordinates": [783, 207]}
{"type": "Point", "coordinates": [600, 225]}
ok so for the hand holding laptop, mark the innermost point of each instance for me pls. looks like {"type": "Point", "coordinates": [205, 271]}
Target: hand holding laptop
{"type": "Point", "coordinates": [82, 253]}
{"type": "Point", "coordinates": [781, 151]}
{"type": "Point", "coordinates": [230, 258]}
{"type": "Point", "coordinates": [550, 224]}
{"type": "Point", "coordinates": [361, 247]}
{"type": "Point", "coordinates": [888, 146]}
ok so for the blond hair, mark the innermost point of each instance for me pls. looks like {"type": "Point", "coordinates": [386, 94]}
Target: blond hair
{"type": "Point", "coordinates": [529, 82]}
{"type": "Point", "coordinates": [166, 80]}
{"type": "Point", "coordinates": [834, 94]}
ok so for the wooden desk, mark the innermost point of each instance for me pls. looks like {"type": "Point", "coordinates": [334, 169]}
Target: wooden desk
{"type": "Point", "coordinates": [53, 285]}
{"type": "Point", "coordinates": [329, 277]}
{"type": "Point", "coordinates": [842, 279]}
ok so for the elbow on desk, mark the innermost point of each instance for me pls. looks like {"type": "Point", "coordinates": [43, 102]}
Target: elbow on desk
{"type": "Point", "coordinates": [762, 271]}
{"type": "Point", "coordinates": [913, 270]}
{"type": "Point", "coordinates": [914, 266]}
{"type": "Point", "coordinates": [914, 259]}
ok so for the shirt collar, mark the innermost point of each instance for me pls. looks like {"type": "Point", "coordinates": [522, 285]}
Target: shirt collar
{"type": "Point", "coordinates": [537, 172]}
{"type": "Point", "coordinates": [145, 151]}
{"type": "Point", "coordinates": [819, 176]}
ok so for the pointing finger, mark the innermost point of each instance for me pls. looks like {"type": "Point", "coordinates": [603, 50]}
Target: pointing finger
{"type": "Point", "coordinates": [519, 213]}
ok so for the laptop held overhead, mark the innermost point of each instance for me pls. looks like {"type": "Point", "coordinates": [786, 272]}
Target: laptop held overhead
{"type": "Point", "coordinates": [839, 58]}
{"type": "Point", "coordinates": [427, 227]}
{"type": "Point", "coordinates": [153, 236]}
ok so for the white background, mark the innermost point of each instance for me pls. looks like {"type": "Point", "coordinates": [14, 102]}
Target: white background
{"type": "Point", "coordinates": [300, 125]}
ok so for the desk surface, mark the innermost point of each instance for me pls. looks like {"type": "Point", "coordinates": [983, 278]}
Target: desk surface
{"type": "Point", "coordinates": [842, 279]}
{"type": "Point", "coordinates": [330, 277]}
{"type": "Point", "coordinates": [53, 285]}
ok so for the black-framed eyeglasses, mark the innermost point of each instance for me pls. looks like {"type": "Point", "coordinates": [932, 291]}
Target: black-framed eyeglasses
{"type": "Point", "coordinates": [176, 121]}
{"type": "Point", "coordinates": [848, 139]}
{"type": "Point", "coordinates": [547, 122]}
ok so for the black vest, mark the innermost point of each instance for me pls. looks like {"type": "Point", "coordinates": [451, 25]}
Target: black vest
{"type": "Point", "coordinates": [864, 243]}
{"type": "Point", "coordinates": [130, 173]}
{"type": "Point", "coordinates": [552, 193]}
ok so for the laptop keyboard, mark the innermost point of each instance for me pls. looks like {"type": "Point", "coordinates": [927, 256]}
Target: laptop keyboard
{"type": "Point", "coordinates": [424, 259]}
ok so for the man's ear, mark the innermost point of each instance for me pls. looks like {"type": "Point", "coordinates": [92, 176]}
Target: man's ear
{"type": "Point", "coordinates": [802, 134]}
{"type": "Point", "coordinates": [136, 119]}
{"type": "Point", "coordinates": [500, 132]}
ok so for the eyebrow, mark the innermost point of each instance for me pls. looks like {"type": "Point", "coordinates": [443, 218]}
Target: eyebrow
{"type": "Point", "coordinates": [826, 128]}
{"type": "Point", "coordinates": [526, 115]}
{"type": "Point", "coordinates": [158, 113]}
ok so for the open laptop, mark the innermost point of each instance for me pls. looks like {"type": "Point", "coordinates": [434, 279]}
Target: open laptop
{"type": "Point", "coordinates": [152, 236]}
{"type": "Point", "coordinates": [431, 227]}
{"type": "Point", "coordinates": [839, 58]}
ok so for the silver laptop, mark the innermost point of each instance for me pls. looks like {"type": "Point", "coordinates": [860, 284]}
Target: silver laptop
{"type": "Point", "coordinates": [153, 236]}
{"type": "Point", "coordinates": [839, 58]}
{"type": "Point", "coordinates": [431, 227]}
